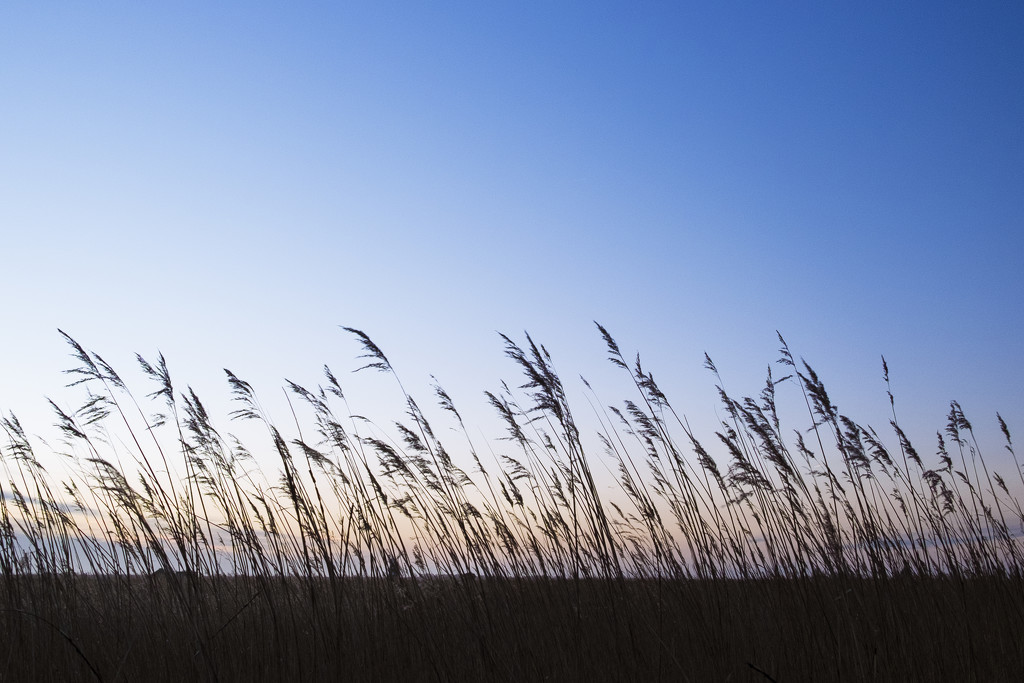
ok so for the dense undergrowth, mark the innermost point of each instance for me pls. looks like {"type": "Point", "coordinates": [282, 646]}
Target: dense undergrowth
{"type": "Point", "coordinates": [767, 553]}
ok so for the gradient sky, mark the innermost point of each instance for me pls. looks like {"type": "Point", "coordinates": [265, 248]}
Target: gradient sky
{"type": "Point", "coordinates": [229, 182]}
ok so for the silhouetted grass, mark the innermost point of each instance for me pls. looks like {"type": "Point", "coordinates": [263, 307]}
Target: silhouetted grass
{"type": "Point", "coordinates": [813, 552]}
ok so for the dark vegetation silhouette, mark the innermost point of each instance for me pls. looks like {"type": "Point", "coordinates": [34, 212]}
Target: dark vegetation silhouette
{"type": "Point", "coordinates": [814, 552]}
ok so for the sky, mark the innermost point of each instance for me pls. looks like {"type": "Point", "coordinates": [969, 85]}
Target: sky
{"type": "Point", "coordinates": [228, 183]}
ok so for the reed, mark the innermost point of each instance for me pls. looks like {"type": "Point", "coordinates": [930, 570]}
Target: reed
{"type": "Point", "coordinates": [762, 551]}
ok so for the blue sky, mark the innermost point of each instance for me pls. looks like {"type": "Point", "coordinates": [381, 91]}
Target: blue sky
{"type": "Point", "coordinates": [230, 183]}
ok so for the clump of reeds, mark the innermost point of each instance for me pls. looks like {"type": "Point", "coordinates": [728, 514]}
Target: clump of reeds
{"type": "Point", "coordinates": [805, 552]}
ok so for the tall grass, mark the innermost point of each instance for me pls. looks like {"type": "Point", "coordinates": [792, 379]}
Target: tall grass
{"type": "Point", "coordinates": [759, 552]}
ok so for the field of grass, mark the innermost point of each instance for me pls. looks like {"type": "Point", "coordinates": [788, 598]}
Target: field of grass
{"type": "Point", "coordinates": [105, 628]}
{"type": "Point", "coordinates": [808, 552]}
